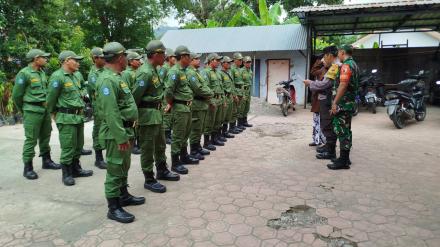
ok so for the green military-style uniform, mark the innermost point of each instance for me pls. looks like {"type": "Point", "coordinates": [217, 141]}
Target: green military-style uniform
{"type": "Point", "coordinates": [199, 107]}
{"type": "Point", "coordinates": [129, 75]}
{"type": "Point", "coordinates": [29, 96]}
{"type": "Point", "coordinates": [92, 80]}
{"type": "Point", "coordinates": [239, 84]}
{"type": "Point", "coordinates": [229, 89]}
{"type": "Point", "coordinates": [167, 117]}
{"type": "Point", "coordinates": [148, 94]}
{"type": "Point", "coordinates": [247, 86]}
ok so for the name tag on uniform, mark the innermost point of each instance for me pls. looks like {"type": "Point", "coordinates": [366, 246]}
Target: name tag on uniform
{"type": "Point", "coordinates": [123, 84]}
{"type": "Point", "coordinates": [155, 81]}
{"type": "Point", "coordinates": [34, 80]}
{"type": "Point", "coordinates": [183, 77]}
{"type": "Point", "coordinates": [225, 78]}
{"type": "Point", "coordinates": [68, 84]}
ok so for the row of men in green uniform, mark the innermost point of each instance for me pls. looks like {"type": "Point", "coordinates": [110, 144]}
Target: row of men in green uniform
{"type": "Point", "coordinates": [128, 104]}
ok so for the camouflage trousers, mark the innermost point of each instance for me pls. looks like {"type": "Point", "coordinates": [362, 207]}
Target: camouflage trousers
{"type": "Point", "coordinates": [342, 128]}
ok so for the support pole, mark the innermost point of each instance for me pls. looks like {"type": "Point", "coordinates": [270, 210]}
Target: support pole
{"type": "Point", "coordinates": [309, 57]}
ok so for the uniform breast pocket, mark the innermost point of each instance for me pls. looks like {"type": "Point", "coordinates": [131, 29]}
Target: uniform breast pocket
{"type": "Point", "coordinates": [36, 88]}
{"type": "Point", "coordinates": [71, 92]}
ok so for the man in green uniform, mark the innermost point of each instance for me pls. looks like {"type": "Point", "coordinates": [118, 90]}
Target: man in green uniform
{"type": "Point", "coordinates": [179, 96]}
{"type": "Point", "coordinates": [119, 115]}
{"type": "Point", "coordinates": [129, 76]}
{"type": "Point", "coordinates": [170, 61]}
{"type": "Point", "coordinates": [344, 93]}
{"type": "Point", "coordinates": [199, 107]}
{"type": "Point", "coordinates": [213, 79]}
{"type": "Point", "coordinates": [228, 87]}
{"type": "Point", "coordinates": [247, 79]}
{"type": "Point", "coordinates": [95, 71]}
{"type": "Point", "coordinates": [65, 102]}
{"type": "Point", "coordinates": [239, 85]}
{"type": "Point", "coordinates": [29, 96]}
{"type": "Point", "coordinates": [148, 94]}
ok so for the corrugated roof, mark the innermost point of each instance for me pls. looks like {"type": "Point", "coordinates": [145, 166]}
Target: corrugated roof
{"type": "Point", "coordinates": [364, 5]}
{"type": "Point", "coordinates": [239, 39]}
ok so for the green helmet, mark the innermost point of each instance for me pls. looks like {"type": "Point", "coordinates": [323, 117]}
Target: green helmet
{"type": "Point", "coordinates": [226, 59]}
{"type": "Point", "coordinates": [97, 52]}
{"type": "Point", "coordinates": [133, 56]}
{"type": "Point", "coordinates": [113, 48]}
{"type": "Point", "coordinates": [155, 46]}
{"type": "Point", "coordinates": [169, 53]}
{"type": "Point", "coordinates": [64, 55]}
{"type": "Point", "coordinates": [247, 59]}
{"type": "Point", "coordinates": [237, 56]}
{"type": "Point", "coordinates": [182, 50]}
{"type": "Point", "coordinates": [33, 53]}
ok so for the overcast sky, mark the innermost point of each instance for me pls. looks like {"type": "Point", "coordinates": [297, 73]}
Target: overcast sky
{"type": "Point", "coordinates": [172, 21]}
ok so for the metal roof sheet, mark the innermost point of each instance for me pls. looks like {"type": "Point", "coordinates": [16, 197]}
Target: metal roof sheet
{"type": "Point", "coordinates": [239, 39]}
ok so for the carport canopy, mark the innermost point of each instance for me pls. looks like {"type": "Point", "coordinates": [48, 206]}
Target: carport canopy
{"type": "Point", "coordinates": [384, 17]}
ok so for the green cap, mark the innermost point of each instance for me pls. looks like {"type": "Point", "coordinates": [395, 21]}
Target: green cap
{"type": "Point", "coordinates": [195, 55]}
{"type": "Point", "coordinates": [64, 55]}
{"type": "Point", "coordinates": [213, 56]}
{"type": "Point", "coordinates": [346, 48]}
{"type": "Point", "coordinates": [226, 59]}
{"type": "Point", "coordinates": [138, 50]}
{"type": "Point", "coordinates": [247, 59]}
{"type": "Point", "coordinates": [237, 56]}
{"type": "Point", "coordinates": [182, 50]}
{"type": "Point", "coordinates": [169, 53]}
{"type": "Point", "coordinates": [97, 52]}
{"type": "Point", "coordinates": [133, 56]}
{"type": "Point", "coordinates": [33, 53]}
{"type": "Point", "coordinates": [155, 46]}
{"type": "Point", "coordinates": [113, 48]}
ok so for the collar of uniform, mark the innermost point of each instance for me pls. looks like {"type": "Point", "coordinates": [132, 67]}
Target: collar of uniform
{"type": "Point", "coordinates": [32, 69]}
{"type": "Point", "coordinates": [99, 69]}
{"type": "Point", "coordinates": [65, 72]}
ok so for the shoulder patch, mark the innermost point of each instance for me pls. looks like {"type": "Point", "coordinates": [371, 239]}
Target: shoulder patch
{"type": "Point", "coordinates": [20, 81]}
{"type": "Point", "coordinates": [106, 91]}
{"type": "Point", "coordinates": [141, 83]}
{"type": "Point", "coordinates": [93, 79]}
{"type": "Point", "coordinates": [55, 84]}
{"type": "Point", "coordinates": [173, 77]}
{"type": "Point", "coordinates": [193, 78]}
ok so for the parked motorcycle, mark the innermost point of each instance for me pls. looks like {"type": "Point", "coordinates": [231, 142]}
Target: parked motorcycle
{"type": "Point", "coordinates": [286, 95]}
{"type": "Point", "coordinates": [371, 90]}
{"type": "Point", "coordinates": [407, 103]}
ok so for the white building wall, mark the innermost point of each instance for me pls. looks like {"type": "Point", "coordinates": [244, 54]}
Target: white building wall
{"type": "Point", "coordinates": [414, 40]}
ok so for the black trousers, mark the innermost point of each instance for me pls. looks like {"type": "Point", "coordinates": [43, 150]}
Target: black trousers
{"type": "Point", "coordinates": [326, 121]}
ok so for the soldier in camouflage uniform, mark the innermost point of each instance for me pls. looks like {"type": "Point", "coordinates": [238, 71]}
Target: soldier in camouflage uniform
{"type": "Point", "coordinates": [345, 90]}
{"type": "Point", "coordinates": [129, 76]}
{"type": "Point", "coordinates": [229, 89]}
{"type": "Point", "coordinates": [170, 61]}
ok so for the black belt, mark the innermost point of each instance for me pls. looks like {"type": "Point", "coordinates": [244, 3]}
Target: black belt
{"type": "Point", "coordinates": [199, 98]}
{"type": "Point", "coordinates": [183, 102]}
{"type": "Point", "coordinates": [77, 111]}
{"type": "Point", "coordinates": [146, 104]}
{"type": "Point", "coordinates": [43, 103]}
{"type": "Point", "coordinates": [128, 124]}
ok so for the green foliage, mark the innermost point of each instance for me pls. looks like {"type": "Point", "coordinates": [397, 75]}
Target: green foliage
{"type": "Point", "coordinates": [375, 45]}
{"type": "Point", "coordinates": [321, 44]}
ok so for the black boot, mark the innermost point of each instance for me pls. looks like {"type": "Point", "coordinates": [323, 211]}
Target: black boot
{"type": "Point", "coordinates": [233, 129]}
{"type": "Point", "coordinates": [86, 152]}
{"type": "Point", "coordinates": [216, 141]}
{"type": "Point", "coordinates": [201, 150]}
{"type": "Point", "coordinates": [186, 159]}
{"type": "Point", "coordinates": [322, 148]}
{"type": "Point", "coordinates": [194, 152]}
{"type": "Point", "coordinates": [245, 123]}
{"type": "Point", "coordinates": [168, 136]}
{"type": "Point", "coordinates": [240, 124]}
{"type": "Point", "coordinates": [349, 161]}
{"type": "Point", "coordinates": [48, 162]}
{"type": "Point", "coordinates": [226, 134]}
{"type": "Point", "coordinates": [177, 166]}
{"type": "Point", "coordinates": [341, 162]}
{"type": "Point", "coordinates": [220, 136]}
{"type": "Point", "coordinates": [77, 170]}
{"type": "Point", "coordinates": [28, 171]}
{"type": "Point", "coordinates": [164, 174]}
{"type": "Point", "coordinates": [116, 212]}
{"type": "Point", "coordinates": [328, 154]}
{"type": "Point", "coordinates": [208, 144]}
{"type": "Point", "coordinates": [126, 199]}
{"type": "Point", "coordinates": [67, 175]}
{"type": "Point", "coordinates": [99, 160]}
{"type": "Point", "coordinates": [152, 184]}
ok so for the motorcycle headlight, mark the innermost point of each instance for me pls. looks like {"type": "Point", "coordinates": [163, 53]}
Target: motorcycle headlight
{"type": "Point", "coordinates": [390, 96]}
{"type": "Point", "coordinates": [437, 82]}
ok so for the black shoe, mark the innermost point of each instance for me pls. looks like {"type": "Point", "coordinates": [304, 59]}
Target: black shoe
{"type": "Point", "coordinates": [177, 166]}
{"type": "Point", "coordinates": [322, 149]}
{"type": "Point", "coordinates": [202, 151]}
{"type": "Point", "coordinates": [77, 170]}
{"type": "Point", "coordinates": [246, 124]}
{"type": "Point", "coordinates": [326, 155]}
{"type": "Point", "coordinates": [220, 136]}
{"type": "Point", "coordinates": [194, 153]}
{"type": "Point", "coordinates": [99, 160]}
{"type": "Point", "coordinates": [48, 162]}
{"type": "Point", "coordinates": [233, 129]}
{"type": "Point", "coordinates": [86, 152]}
{"type": "Point", "coordinates": [239, 127]}
{"type": "Point", "coordinates": [136, 150]}
{"type": "Point", "coordinates": [186, 159]}
{"type": "Point", "coordinates": [152, 184]}
{"type": "Point", "coordinates": [117, 213]}
{"type": "Point", "coordinates": [216, 141]}
{"type": "Point", "coordinates": [349, 161]}
{"type": "Point", "coordinates": [312, 144]}
{"type": "Point", "coordinates": [208, 144]}
{"type": "Point", "coordinates": [164, 174]}
{"type": "Point", "coordinates": [67, 175]}
{"type": "Point", "coordinates": [225, 132]}
{"type": "Point", "coordinates": [28, 171]}
{"type": "Point", "coordinates": [126, 199]}
{"type": "Point", "coordinates": [168, 137]}
{"type": "Point", "coordinates": [241, 124]}
{"type": "Point", "coordinates": [341, 162]}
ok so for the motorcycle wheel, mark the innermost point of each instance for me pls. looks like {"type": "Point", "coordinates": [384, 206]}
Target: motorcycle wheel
{"type": "Point", "coordinates": [398, 120]}
{"type": "Point", "coordinates": [284, 108]}
{"type": "Point", "coordinates": [373, 108]}
{"type": "Point", "coordinates": [421, 116]}
{"type": "Point", "coordinates": [356, 109]}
